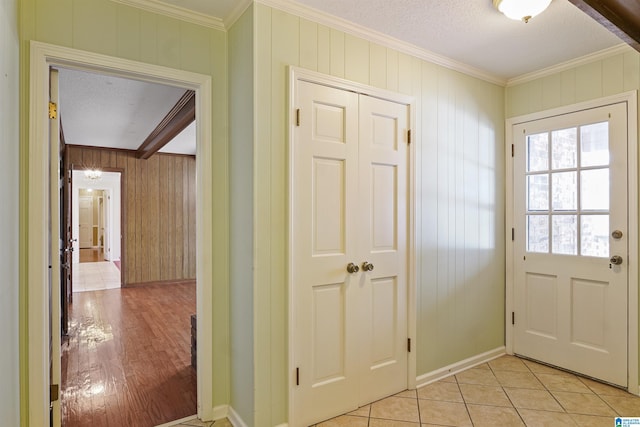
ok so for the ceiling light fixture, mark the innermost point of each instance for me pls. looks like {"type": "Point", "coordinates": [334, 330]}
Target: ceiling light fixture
{"type": "Point", "coordinates": [93, 174]}
{"type": "Point", "coordinates": [521, 10]}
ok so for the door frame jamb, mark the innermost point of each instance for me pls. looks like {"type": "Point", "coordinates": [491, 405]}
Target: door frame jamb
{"type": "Point", "coordinates": [42, 57]}
{"type": "Point", "coordinates": [631, 100]}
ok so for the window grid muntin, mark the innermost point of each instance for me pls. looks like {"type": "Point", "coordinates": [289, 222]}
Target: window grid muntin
{"type": "Point", "coordinates": [550, 213]}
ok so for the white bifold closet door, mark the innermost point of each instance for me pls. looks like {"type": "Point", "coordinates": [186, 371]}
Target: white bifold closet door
{"type": "Point", "coordinates": [349, 209]}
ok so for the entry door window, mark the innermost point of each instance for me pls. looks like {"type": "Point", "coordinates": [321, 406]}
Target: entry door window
{"type": "Point", "coordinates": [567, 185]}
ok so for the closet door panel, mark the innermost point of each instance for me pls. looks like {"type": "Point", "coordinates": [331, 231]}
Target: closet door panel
{"type": "Point", "coordinates": [382, 244]}
{"type": "Point", "coordinates": [324, 199]}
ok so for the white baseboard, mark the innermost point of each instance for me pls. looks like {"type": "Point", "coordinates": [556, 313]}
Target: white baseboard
{"type": "Point", "coordinates": [180, 421]}
{"type": "Point", "coordinates": [220, 412]}
{"type": "Point", "coordinates": [457, 367]}
{"type": "Point", "coordinates": [217, 413]}
{"type": "Point", "coordinates": [235, 419]}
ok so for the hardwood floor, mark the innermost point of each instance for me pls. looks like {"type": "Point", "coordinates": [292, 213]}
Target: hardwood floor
{"type": "Point", "coordinates": [91, 255]}
{"type": "Point", "coordinates": [126, 360]}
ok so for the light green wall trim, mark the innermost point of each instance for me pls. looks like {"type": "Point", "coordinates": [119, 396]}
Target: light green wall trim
{"type": "Point", "coordinates": [26, 24]}
{"type": "Point", "coordinates": [102, 26]}
{"type": "Point", "coordinates": [241, 102]}
{"type": "Point", "coordinates": [262, 220]}
{"type": "Point", "coordinates": [9, 170]}
{"type": "Point", "coordinates": [613, 75]}
{"type": "Point", "coordinates": [460, 196]}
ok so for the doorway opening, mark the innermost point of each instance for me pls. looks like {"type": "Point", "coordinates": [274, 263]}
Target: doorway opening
{"type": "Point", "coordinates": [96, 220]}
{"type": "Point", "coordinates": [43, 316]}
{"type": "Point", "coordinates": [123, 324]}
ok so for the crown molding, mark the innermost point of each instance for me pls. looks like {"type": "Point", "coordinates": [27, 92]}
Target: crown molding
{"type": "Point", "coordinates": [349, 27]}
{"type": "Point", "coordinates": [563, 66]}
{"type": "Point", "coordinates": [177, 12]}
{"type": "Point", "coordinates": [238, 10]}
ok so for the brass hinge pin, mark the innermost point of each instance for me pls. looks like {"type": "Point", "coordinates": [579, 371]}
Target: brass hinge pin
{"type": "Point", "coordinates": [53, 110]}
{"type": "Point", "coordinates": [54, 392]}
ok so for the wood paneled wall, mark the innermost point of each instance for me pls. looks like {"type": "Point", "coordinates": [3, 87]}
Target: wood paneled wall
{"type": "Point", "coordinates": [159, 211]}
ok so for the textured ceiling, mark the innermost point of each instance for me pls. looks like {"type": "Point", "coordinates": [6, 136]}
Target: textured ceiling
{"type": "Point", "coordinates": [473, 32]}
{"type": "Point", "coordinates": [105, 111]}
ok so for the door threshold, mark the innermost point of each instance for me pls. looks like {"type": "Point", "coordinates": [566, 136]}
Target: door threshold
{"type": "Point", "coordinates": [180, 421]}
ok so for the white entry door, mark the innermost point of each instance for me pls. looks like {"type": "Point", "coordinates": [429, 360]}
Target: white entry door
{"type": "Point", "coordinates": [349, 264]}
{"type": "Point", "coordinates": [570, 242]}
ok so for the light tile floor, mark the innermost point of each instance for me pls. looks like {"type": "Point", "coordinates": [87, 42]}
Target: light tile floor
{"type": "Point", "coordinates": [505, 392]}
{"type": "Point", "coordinates": [94, 276]}
{"type": "Point", "coordinates": [197, 423]}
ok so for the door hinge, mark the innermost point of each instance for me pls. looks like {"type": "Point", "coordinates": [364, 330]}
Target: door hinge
{"type": "Point", "coordinates": [298, 117]}
{"type": "Point", "coordinates": [513, 234]}
{"type": "Point", "coordinates": [409, 136]}
{"type": "Point", "coordinates": [53, 110]}
{"type": "Point", "coordinates": [513, 317]}
{"type": "Point", "coordinates": [409, 345]}
{"type": "Point", "coordinates": [54, 392]}
{"type": "Point", "coordinates": [513, 150]}
{"type": "Point", "coordinates": [297, 376]}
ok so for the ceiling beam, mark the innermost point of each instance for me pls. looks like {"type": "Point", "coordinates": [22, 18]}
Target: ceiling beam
{"type": "Point", "coordinates": [181, 115]}
{"type": "Point", "coordinates": [621, 17]}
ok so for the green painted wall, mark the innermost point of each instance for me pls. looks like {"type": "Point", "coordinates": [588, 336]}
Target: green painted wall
{"type": "Point", "coordinates": [616, 74]}
{"type": "Point", "coordinates": [109, 28]}
{"type": "Point", "coordinates": [9, 149]}
{"type": "Point", "coordinates": [241, 245]}
{"type": "Point", "coordinates": [460, 196]}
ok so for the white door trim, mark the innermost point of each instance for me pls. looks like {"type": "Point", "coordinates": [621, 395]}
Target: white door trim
{"type": "Point", "coordinates": [300, 74]}
{"type": "Point", "coordinates": [631, 100]}
{"type": "Point", "coordinates": [42, 56]}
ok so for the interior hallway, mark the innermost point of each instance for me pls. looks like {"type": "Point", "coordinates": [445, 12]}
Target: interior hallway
{"type": "Point", "coordinates": [91, 255]}
{"type": "Point", "coordinates": [127, 358]}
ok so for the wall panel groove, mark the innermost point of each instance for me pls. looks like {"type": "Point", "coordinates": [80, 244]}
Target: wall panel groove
{"type": "Point", "coordinates": [459, 173]}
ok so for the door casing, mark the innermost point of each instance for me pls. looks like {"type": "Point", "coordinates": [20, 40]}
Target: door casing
{"type": "Point", "coordinates": [36, 329]}
{"type": "Point", "coordinates": [296, 74]}
{"type": "Point", "coordinates": [630, 98]}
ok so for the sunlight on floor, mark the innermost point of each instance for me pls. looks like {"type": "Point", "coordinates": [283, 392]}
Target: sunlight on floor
{"type": "Point", "coordinates": [94, 276]}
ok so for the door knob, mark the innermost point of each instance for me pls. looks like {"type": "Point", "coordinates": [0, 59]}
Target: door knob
{"type": "Point", "coordinates": [617, 234]}
{"type": "Point", "coordinates": [367, 266]}
{"type": "Point", "coordinates": [352, 268]}
{"type": "Point", "coordinates": [616, 260]}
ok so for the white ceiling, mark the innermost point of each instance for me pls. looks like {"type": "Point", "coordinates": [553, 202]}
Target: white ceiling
{"type": "Point", "coordinates": [470, 32]}
{"type": "Point", "coordinates": [473, 32]}
{"type": "Point", "coordinates": [107, 111]}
